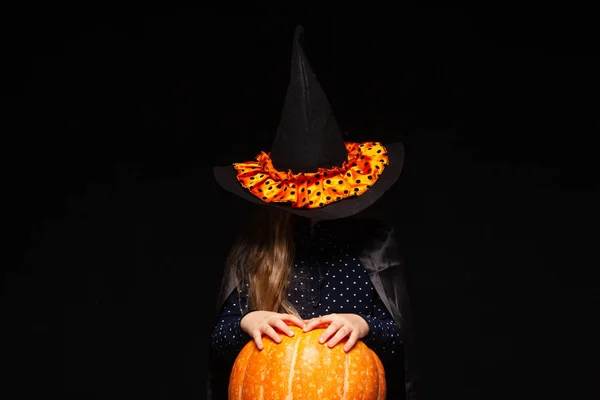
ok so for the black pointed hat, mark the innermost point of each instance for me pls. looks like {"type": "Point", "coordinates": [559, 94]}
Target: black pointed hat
{"type": "Point", "coordinates": [310, 170]}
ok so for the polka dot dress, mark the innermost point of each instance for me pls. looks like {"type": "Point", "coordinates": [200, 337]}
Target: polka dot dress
{"type": "Point", "coordinates": [326, 279]}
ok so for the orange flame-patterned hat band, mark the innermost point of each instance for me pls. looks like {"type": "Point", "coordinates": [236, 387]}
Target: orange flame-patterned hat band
{"type": "Point", "coordinates": [365, 163]}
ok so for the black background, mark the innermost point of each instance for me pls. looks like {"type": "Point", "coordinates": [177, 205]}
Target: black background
{"type": "Point", "coordinates": [114, 116]}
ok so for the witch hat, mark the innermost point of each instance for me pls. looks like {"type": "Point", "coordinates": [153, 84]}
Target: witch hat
{"type": "Point", "coordinates": [310, 170]}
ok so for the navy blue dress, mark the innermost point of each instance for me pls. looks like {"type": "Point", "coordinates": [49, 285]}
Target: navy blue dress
{"type": "Point", "coordinates": [327, 278]}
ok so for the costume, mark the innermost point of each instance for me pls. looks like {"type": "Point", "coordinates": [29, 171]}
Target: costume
{"type": "Point", "coordinates": [311, 172]}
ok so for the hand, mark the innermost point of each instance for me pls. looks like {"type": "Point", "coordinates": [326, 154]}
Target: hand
{"type": "Point", "coordinates": [341, 325]}
{"type": "Point", "coordinates": [258, 323]}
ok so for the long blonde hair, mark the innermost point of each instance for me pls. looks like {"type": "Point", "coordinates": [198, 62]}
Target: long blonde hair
{"type": "Point", "coordinates": [262, 258]}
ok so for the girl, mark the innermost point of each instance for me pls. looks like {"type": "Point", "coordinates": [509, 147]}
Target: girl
{"type": "Point", "coordinates": [300, 260]}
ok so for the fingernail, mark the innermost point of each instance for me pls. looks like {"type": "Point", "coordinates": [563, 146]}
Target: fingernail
{"type": "Point", "coordinates": [321, 340]}
{"type": "Point", "coordinates": [291, 333]}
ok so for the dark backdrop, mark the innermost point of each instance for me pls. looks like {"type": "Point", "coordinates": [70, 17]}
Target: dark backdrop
{"type": "Point", "coordinates": [114, 117]}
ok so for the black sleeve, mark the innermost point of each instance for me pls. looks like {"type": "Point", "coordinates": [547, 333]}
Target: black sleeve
{"type": "Point", "coordinates": [385, 336]}
{"type": "Point", "coordinates": [228, 338]}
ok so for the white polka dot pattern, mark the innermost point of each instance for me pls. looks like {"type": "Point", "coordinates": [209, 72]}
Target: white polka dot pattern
{"type": "Point", "coordinates": [327, 278]}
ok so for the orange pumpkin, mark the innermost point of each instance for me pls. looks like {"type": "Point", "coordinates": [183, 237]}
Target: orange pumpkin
{"type": "Point", "coordinates": [300, 368]}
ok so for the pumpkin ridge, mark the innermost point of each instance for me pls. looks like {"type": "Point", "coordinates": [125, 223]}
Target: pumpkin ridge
{"type": "Point", "coordinates": [381, 387]}
{"type": "Point", "coordinates": [346, 376]}
{"type": "Point", "coordinates": [290, 394]}
{"type": "Point", "coordinates": [243, 385]}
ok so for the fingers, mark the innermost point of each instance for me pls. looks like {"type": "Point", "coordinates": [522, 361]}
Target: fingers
{"type": "Point", "coordinates": [319, 322]}
{"type": "Point", "coordinates": [276, 321]}
{"type": "Point", "coordinates": [311, 324]}
{"type": "Point", "coordinates": [270, 332]}
{"type": "Point", "coordinates": [341, 333]}
{"type": "Point", "coordinates": [282, 326]}
{"type": "Point", "coordinates": [258, 340]}
{"type": "Point", "coordinates": [337, 329]}
{"type": "Point", "coordinates": [331, 329]}
{"type": "Point", "coordinates": [351, 341]}
{"type": "Point", "coordinates": [293, 319]}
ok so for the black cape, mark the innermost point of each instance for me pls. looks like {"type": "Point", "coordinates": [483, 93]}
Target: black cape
{"type": "Point", "coordinates": [378, 250]}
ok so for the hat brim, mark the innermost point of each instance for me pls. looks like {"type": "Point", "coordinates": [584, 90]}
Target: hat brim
{"type": "Point", "coordinates": [226, 176]}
